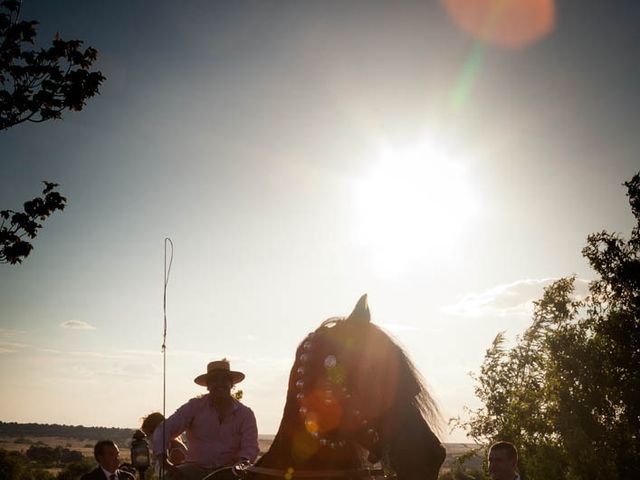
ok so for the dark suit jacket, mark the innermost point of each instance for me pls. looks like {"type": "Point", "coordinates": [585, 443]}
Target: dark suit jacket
{"type": "Point", "coordinates": [98, 474]}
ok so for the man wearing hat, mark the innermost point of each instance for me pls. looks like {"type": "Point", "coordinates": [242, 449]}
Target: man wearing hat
{"type": "Point", "coordinates": [220, 431]}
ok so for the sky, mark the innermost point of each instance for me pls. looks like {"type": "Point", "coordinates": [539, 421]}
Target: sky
{"type": "Point", "coordinates": [449, 162]}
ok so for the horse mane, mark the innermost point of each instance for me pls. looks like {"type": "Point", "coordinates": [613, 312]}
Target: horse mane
{"type": "Point", "coordinates": [412, 388]}
{"type": "Point", "coordinates": [415, 388]}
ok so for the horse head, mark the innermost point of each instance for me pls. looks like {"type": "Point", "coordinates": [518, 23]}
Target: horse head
{"type": "Point", "coordinates": [354, 396]}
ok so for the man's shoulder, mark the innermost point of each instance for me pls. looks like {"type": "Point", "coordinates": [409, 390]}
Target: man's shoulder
{"type": "Point", "coordinates": [238, 405]}
{"type": "Point", "coordinates": [124, 475]}
{"type": "Point", "coordinates": [95, 474]}
{"type": "Point", "coordinates": [243, 409]}
{"type": "Point", "coordinates": [204, 398]}
{"type": "Point", "coordinates": [195, 402]}
{"type": "Point", "coordinates": [98, 474]}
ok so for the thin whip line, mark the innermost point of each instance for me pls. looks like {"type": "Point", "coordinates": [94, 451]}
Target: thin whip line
{"type": "Point", "coordinates": [167, 273]}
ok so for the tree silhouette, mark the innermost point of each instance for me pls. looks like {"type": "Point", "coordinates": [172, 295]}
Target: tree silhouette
{"type": "Point", "coordinates": [16, 226]}
{"type": "Point", "coordinates": [35, 86]}
{"type": "Point", "coordinates": [39, 85]}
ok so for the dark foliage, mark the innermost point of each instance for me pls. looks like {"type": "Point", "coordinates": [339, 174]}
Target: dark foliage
{"type": "Point", "coordinates": [19, 227]}
{"type": "Point", "coordinates": [38, 85]}
{"type": "Point", "coordinates": [460, 473]}
{"type": "Point", "coordinates": [74, 471]}
{"type": "Point", "coordinates": [16, 466]}
{"type": "Point", "coordinates": [52, 456]}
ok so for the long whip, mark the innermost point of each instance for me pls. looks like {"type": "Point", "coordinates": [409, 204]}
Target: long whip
{"type": "Point", "coordinates": [167, 272]}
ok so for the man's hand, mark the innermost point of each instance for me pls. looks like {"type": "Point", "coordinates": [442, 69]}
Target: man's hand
{"type": "Point", "coordinates": [176, 456]}
{"type": "Point", "coordinates": [170, 468]}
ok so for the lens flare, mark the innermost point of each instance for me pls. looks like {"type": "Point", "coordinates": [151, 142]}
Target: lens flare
{"type": "Point", "coordinates": [504, 23]}
{"type": "Point", "coordinates": [311, 423]}
{"type": "Point", "coordinates": [324, 412]}
{"type": "Point", "coordinates": [303, 446]}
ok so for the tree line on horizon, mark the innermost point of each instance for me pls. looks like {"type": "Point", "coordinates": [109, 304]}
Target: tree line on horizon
{"type": "Point", "coordinates": [122, 436]}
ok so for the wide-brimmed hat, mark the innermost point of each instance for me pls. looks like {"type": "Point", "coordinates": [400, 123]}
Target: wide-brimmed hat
{"type": "Point", "coordinates": [217, 367]}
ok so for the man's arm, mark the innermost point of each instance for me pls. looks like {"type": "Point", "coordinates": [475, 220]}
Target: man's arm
{"type": "Point", "coordinates": [171, 428]}
{"type": "Point", "coordinates": [249, 437]}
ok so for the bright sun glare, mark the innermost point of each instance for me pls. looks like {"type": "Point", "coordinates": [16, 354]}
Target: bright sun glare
{"type": "Point", "coordinates": [412, 207]}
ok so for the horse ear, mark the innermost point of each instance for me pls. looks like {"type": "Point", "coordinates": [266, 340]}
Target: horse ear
{"type": "Point", "coordinates": [361, 312]}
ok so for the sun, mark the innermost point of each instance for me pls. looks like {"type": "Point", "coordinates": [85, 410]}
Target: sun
{"type": "Point", "coordinates": [412, 206]}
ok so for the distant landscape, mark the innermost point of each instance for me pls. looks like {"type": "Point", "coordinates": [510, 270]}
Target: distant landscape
{"type": "Point", "coordinates": [19, 437]}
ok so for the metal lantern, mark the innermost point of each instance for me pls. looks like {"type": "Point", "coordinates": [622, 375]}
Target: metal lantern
{"type": "Point", "coordinates": [140, 457]}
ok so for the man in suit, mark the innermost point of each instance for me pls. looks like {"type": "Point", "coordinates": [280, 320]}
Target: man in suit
{"type": "Point", "coordinates": [108, 457]}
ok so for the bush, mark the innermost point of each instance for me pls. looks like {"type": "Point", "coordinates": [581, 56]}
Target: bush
{"type": "Point", "coordinates": [42, 454]}
{"type": "Point", "coordinates": [73, 471]}
{"type": "Point", "coordinates": [16, 466]}
{"type": "Point", "coordinates": [461, 473]}
{"type": "Point", "coordinates": [13, 466]}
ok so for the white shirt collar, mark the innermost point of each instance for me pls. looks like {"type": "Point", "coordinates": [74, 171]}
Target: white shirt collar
{"type": "Point", "coordinates": [108, 473]}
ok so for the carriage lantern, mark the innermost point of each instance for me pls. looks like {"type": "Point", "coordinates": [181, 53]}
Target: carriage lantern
{"type": "Point", "coordinates": [140, 452]}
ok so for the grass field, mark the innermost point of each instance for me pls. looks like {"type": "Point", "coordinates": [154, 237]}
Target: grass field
{"type": "Point", "coordinates": [84, 446]}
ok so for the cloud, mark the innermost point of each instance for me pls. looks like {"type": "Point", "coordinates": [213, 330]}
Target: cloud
{"type": "Point", "coordinates": [7, 347]}
{"type": "Point", "coordinates": [508, 300]}
{"type": "Point", "coordinates": [402, 327]}
{"type": "Point", "coordinates": [143, 353]}
{"type": "Point", "coordinates": [7, 343]}
{"type": "Point", "coordinates": [86, 354]}
{"type": "Point", "coordinates": [77, 325]}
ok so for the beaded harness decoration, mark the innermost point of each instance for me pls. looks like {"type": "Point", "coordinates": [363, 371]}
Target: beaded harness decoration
{"type": "Point", "coordinates": [336, 381]}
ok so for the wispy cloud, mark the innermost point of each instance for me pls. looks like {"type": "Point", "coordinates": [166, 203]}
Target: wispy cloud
{"type": "Point", "coordinates": [77, 325]}
{"type": "Point", "coordinates": [143, 353]}
{"type": "Point", "coordinates": [7, 340]}
{"type": "Point", "coordinates": [86, 354]}
{"type": "Point", "coordinates": [399, 327]}
{"type": "Point", "coordinates": [508, 300]}
{"type": "Point", "coordinates": [7, 347]}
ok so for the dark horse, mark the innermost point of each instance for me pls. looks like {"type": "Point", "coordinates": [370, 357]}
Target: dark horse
{"type": "Point", "coordinates": [354, 399]}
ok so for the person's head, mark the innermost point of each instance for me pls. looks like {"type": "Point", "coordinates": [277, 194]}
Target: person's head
{"type": "Point", "coordinates": [107, 455]}
{"type": "Point", "coordinates": [503, 461]}
{"type": "Point", "coordinates": [151, 422]}
{"type": "Point", "coordinates": [219, 379]}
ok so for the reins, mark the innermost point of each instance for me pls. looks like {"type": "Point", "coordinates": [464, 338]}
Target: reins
{"type": "Point", "coordinates": [291, 473]}
{"type": "Point", "coordinates": [240, 471]}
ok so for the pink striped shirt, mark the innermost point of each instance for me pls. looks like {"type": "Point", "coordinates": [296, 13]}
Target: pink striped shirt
{"type": "Point", "coordinates": [210, 443]}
